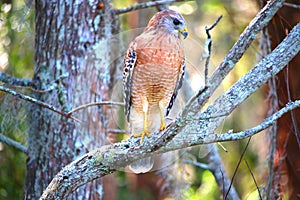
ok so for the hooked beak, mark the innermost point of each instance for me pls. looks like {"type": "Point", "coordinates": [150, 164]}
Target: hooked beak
{"type": "Point", "coordinates": [184, 32]}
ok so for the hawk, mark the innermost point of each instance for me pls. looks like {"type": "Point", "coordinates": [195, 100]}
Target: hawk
{"type": "Point", "coordinates": [153, 73]}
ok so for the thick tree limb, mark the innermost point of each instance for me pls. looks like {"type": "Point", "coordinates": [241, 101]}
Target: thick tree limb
{"type": "Point", "coordinates": [13, 81]}
{"type": "Point", "coordinates": [13, 143]}
{"type": "Point", "coordinates": [149, 4]}
{"type": "Point", "coordinates": [184, 132]}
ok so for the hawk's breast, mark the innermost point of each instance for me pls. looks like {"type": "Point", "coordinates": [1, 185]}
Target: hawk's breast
{"type": "Point", "coordinates": [157, 70]}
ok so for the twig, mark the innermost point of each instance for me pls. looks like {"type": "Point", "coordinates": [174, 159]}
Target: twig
{"type": "Point", "coordinates": [197, 164]}
{"type": "Point", "coordinates": [265, 46]}
{"type": "Point", "coordinates": [252, 175]}
{"type": "Point", "coordinates": [208, 45]}
{"type": "Point", "coordinates": [13, 81]}
{"type": "Point", "coordinates": [291, 5]}
{"type": "Point", "coordinates": [13, 143]}
{"type": "Point", "coordinates": [217, 168]}
{"type": "Point", "coordinates": [38, 102]}
{"type": "Point", "coordinates": [291, 112]}
{"type": "Point", "coordinates": [117, 131]}
{"type": "Point", "coordinates": [235, 171]}
{"type": "Point", "coordinates": [145, 5]}
{"type": "Point", "coordinates": [234, 55]}
{"type": "Point", "coordinates": [265, 124]}
{"type": "Point", "coordinates": [95, 104]}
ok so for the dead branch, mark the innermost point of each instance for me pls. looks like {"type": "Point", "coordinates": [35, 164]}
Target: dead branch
{"type": "Point", "coordinates": [13, 81]}
{"type": "Point", "coordinates": [149, 4]}
{"type": "Point", "coordinates": [13, 143]}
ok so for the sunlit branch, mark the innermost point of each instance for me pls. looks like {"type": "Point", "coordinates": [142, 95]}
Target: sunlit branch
{"type": "Point", "coordinates": [13, 143]}
{"type": "Point", "coordinates": [208, 45]}
{"type": "Point", "coordinates": [234, 55]}
{"type": "Point", "coordinates": [117, 131]}
{"type": "Point", "coordinates": [13, 81]}
{"type": "Point", "coordinates": [237, 167]}
{"type": "Point", "coordinates": [96, 104]}
{"type": "Point", "coordinates": [197, 164]}
{"type": "Point", "coordinates": [145, 5]}
{"type": "Point", "coordinates": [291, 5]}
{"type": "Point", "coordinates": [254, 180]}
{"type": "Point", "coordinates": [269, 121]}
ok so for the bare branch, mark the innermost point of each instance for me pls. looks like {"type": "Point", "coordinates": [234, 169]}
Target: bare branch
{"type": "Point", "coordinates": [117, 131]}
{"type": "Point", "coordinates": [291, 5]}
{"type": "Point", "coordinates": [95, 104]}
{"type": "Point", "coordinates": [265, 124]}
{"type": "Point", "coordinates": [234, 55]}
{"type": "Point", "coordinates": [197, 164]}
{"type": "Point", "coordinates": [208, 45]}
{"type": "Point", "coordinates": [145, 5]}
{"type": "Point", "coordinates": [237, 167]}
{"type": "Point", "coordinates": [254, 180]}
{"type": "Point", "coordinates": [13, 81]}
{"type": "Point", "coordinates": [213, 157]}
{"type": "Point", "coordinates": [38, 102]}
{"type": "Point", "coordinates": [218, 170]}
{"type": "Point", "coordinates": [13, 143]}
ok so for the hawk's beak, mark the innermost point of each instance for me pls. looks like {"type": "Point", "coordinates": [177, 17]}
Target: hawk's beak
{"type": "Point", "coordinates": [184, 32]}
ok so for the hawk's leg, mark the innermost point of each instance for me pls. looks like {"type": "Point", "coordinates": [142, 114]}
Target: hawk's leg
{"type": "Point", "coordinates": [162, 118]}
{"type": "Point", "coordinates": [145, 131]}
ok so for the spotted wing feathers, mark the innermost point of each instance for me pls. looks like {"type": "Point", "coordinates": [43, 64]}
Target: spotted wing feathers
{"type": "Point", "coordinates": [177, 87]}
{"type": "Point", "coordinates": [129, 63]}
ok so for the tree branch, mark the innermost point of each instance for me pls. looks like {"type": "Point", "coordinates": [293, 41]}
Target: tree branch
{"type": "Point", "coordinates": [184, 132]}
{"type": "Point", "coordinates": [38, 102]}
{"type": "Point", "coordinates": [13, 143]}
{"type": "Point", "coordinates": [213, 158]}
{"type": "Point", "coordinates": [95, 104]}
{"type": "Point", "coordinates": [13, 81]}
{"type": "Point", "coordinates": [234, 55]}
{"type": "Point", "coordinates": [149, 4]}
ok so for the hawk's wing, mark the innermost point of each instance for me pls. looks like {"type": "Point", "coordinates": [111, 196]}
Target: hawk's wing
{"type": "Point", "coordinates": [177, 87]}
{"type": "Point", "coordinates": [129, 63]}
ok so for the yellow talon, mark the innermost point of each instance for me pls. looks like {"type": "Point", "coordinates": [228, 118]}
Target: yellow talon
{"type": "Point", "coordinates": [142, 135]}
{"type": "Point", "coordinates": [162, 119]}
{"type": "Point", "coordinates": [162, 126]}
{"type": "Point", "coordinates": [145, 130]}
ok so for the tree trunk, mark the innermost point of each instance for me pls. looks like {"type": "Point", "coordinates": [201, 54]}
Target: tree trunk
{"type": "Point", "coordinates": [286, 161]}
{"type": "Point", "coordinates": [72, 67]}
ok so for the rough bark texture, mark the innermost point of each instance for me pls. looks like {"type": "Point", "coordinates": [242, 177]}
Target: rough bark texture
{"type": "Point", "coordinates": [286, 161]}
{"type": "Point", "coordinates": [73, 55]}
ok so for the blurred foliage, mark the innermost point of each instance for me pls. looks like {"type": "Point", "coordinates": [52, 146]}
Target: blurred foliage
{"type": "Point", "coordinates": [16, 58]}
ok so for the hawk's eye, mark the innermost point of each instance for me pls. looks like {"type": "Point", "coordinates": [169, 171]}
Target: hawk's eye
{"type": "Point", "coordinates": [176, 22]}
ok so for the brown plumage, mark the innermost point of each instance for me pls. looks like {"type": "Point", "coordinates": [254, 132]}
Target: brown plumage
{"type": "Point", "coordinates": [153, 72]}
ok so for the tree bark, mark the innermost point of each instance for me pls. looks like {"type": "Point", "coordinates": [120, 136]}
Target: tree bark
{"type": "Point", "coordinates": [72, 55]}
{"type": "Point", "coordinates": [286, 157]}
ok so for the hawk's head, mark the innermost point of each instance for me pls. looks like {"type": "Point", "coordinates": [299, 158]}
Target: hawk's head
{"type": "Point", "coordinates": [169, 20]}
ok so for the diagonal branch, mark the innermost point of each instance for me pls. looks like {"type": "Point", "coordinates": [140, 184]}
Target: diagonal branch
{"type": "Point", "coordinates": [38, 102]}
{"type": "Point", "coordinates": [149, 4]}
{"type": "Point", "coordinates": [13, 143]}
{"type": "Point", "coordinates": [182, 133]}
{"type": "Point", "coordinates": [13, 81]}
{"type": "Point", "coordinates": [235, 53]}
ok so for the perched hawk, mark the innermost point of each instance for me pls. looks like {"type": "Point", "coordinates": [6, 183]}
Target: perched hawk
{"type": "Point", "coordinates": [153, 73]}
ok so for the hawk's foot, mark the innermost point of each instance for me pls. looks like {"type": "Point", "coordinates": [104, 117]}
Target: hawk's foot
{"type": "Point", "coordinates": [142, 135]}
